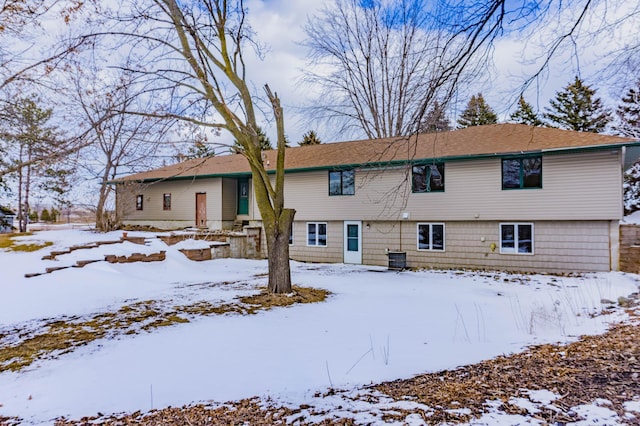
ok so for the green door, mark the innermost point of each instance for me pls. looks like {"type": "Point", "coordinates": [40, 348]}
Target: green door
{"type": "Point", "coordinates": [243, 196]}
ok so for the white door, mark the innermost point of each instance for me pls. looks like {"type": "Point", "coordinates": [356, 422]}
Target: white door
{"type": "Point", "coordinates": [353, 241]}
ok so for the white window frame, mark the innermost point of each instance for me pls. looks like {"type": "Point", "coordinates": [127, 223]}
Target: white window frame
{"type": "Point", "coordinates": [291, 239]}
{"type": "Point", "coordinates": [326, 227]}
{"type": "Point", "coordinates": [430, 224]}
{"type": "Point", "coordinates": [516, 225]}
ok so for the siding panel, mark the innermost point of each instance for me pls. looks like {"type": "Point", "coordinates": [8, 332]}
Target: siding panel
{"type": "Point", "coordinates": [579, 186]}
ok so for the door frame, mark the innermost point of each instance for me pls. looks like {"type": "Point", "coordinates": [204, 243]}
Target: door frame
{"type": "Point", "coordinates": [352, 256]}
{"type": "Point", "coordinates": [241, 182]}
{"type": "Point", "coordinates": [201, 209]}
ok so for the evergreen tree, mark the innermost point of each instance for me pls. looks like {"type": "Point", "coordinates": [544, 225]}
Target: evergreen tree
{"type": "Point", "coordinates": [577, 108]}
{"type": "Point", "coordinates": [310, 138]}
{"type": "Point", "coordinates": [29, 144]}
{"type": "Point", "coordinates": [525, 114]}
{"type": "Point", "coordinates": [436, 120]}
{"type": "Point", "coordinates": [200, 149]}
{"type": "Point", "coordinates": [45, 216]}
{"type": "Point", "coordinates": [631, 187]}
{"type": "Point", "coordinates": [265, 143]}
{"type": "Point", "coordinates": [628, 113]}
{"type": "Point", "coordinates": [477, 113]}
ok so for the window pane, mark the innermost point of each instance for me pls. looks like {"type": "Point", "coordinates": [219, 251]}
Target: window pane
{"type": "Point", "coordinates": [348, 182]}
{"type": "Point", "coordinates": [532, 172]}
{"type": "Point", "coordinates": [424, 239]}
{"type": "Point", "coordinates": [437, 237]}
{"type": "Point", "coordinates": [352, 231]}
{"type": "Point", "coordinates": [525, 239]}
{"type": "Point", "coordinates": [419, 178]}
{"type": "Point", "coordinates": [436, 177]}
{"type": "Point", "coordinates": [311, 234]}
{"type": "Point", "coordinates": [291, 234]}
{"type": "Point", "coordinates": [335, 184]}
{"type": "Point", "coordinates": [166, 202]}
{"type": "Point", "coordinates": [507, 238]}
{"type": "Point", "coordinates": [511, 173]}
{"type": "Point", "coordinates": [322, 234]}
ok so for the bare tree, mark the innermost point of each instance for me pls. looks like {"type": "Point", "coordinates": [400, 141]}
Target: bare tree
{"type": "Point", "coordinates": [381, 65]}
{"type": "Point", "coordinates": [117, 142]}
{"type": "Point", "coordinates": [194, 54]}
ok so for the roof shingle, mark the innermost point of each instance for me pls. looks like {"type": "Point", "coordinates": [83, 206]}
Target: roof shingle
{"type": "Point", "coordinates": [476, 141]}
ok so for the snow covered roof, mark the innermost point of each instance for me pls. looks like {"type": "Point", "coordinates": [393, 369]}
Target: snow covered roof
{"type": "Point", "coordinates": [468, 143]}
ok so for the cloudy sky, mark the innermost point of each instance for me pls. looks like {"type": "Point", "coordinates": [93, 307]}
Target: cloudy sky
{"type": "Point", "coordinates": [279, 25]}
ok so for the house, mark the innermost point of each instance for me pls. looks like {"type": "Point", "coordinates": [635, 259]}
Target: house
{"type": "Point", "coordinates": [505, 196]}
{"type": "Point", "coordinates": [6, 219]}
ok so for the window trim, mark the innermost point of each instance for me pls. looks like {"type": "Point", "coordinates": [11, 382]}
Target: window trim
{"type": "Point", "coordinates": [326, 228]}
{"type": "Point", "coordinates": [140, 202]}
{"type": "Point", "coordinates": [515, 238]}
{"type": "Point", "coordinates": [431, 249]}
{"type": "Point", "coordinates": [291, 239]}
{"type": "Point", "coordinates": [520, 158]}
{"type": "Point", "coordinates": [341, 182]}
{"type": "Point", "coordinates": [166, 206]}
{"type": "Point", "coordinates": [427, 167]}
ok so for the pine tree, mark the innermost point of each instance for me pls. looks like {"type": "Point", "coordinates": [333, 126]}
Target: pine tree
{"type": "Point", "coordinates": [45, 216]}
{"type": "Point", "coordinates": [436, 120]}
{"type": "Point", "coordinates": [200, 149]}
{"type": "Point", "coordinates": [310, 138]}
{"type": "Point", "coordinates": [265, 143]}
{"type": "Point", "coordinates": [628, 113]}
{"type": "Point", "coordinates": [577, 108]}
{"type": "Point", "coordinates": [525, 114]}
{"type": "Point", "coordinates": [477, 113]}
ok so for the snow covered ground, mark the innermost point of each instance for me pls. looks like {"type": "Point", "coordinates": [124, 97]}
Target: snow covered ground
{"type": "Point", "coordinates": [377, 325]}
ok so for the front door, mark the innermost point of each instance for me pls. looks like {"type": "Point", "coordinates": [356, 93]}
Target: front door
{"type": "Point", "coordinates": [353, 241]}
{"type": "Point", "coordinates": [243, 196]}
{"type": "Point", "coordinates": [201, 209]}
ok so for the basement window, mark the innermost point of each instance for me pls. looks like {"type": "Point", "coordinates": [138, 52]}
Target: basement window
{"type": "Point", "coordinates": [516, 238]}
{"type": "Point", "coordinates": [317, 234]}
{"type": "Point", "coordinates": [431, 236]}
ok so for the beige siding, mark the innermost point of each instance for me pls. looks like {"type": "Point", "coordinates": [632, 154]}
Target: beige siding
{"type": "Point", "coordinates": [332, 252]}
{"type": "Point", "coordinates": [582, 186]}
{"type": "Point", "coordinates": [558, 246]}
{"type": "Point", "coordinates": [183, 201]}
{"type": "Point", "coordinates": [229, 199]}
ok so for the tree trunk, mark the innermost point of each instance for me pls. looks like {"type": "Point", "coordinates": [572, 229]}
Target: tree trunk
{"type": "Point", "coordinates": [101, 220]}
{"type": "Point", "coordinates": [278, 251]}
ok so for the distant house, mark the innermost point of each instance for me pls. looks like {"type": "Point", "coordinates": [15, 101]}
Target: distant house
{"type": "Point", "coordinates": [504, 196]}
{"type": "Point", "coordinates": [6, 219]}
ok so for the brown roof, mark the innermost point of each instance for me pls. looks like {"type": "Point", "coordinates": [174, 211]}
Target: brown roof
{"type": "Point", "coordinates": [471, 142]}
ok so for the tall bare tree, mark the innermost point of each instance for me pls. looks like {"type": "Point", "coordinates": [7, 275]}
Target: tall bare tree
{"type": "Point", "coordinates": [194, 53]}
{"type": "Point", "coordinates": [117, 142]}
{"type": "Point", "coordinates": [381, 64]}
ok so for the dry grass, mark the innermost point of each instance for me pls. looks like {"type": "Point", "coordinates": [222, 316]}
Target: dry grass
{"type": "Point", "coordinates": [7, 242]}
{"type": "Point", "coordinates": [61, 336]}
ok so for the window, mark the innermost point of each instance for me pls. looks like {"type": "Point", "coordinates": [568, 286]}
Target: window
{"type": "Point", "coordinates": [139, 201]}
{"type": "Point", "coordinates": [427, 178]}
{"type": "Point", "coordinates": [516, 238]}
{"type": "Point", "coordinates": [431, 236]}
{"type": "Point", "coordinates": [166, 202]}
{"type": "Point", "coordinates": [518, 173]}
{"type": "Point", "coordinates": [342, 182]}
{"type": "Point", "coordinates": [291, 234]}
{"type": "Point", "coordinates": [316, 234]}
